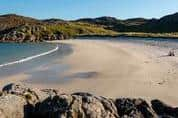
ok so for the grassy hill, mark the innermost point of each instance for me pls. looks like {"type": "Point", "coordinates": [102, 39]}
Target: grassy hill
{"type": "Point", "coordinates": [25, 29]}
{"type": "Point", "coordinates": [165, 24]}
{"type": "Point", "coordinates": [76, 29]}
{"type": "Point", "coordinates": [12, 20]}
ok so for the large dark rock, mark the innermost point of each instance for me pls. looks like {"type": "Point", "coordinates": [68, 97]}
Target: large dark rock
{"type": "Point", "coordinates": [20, 101]}
{"type": "Point", "coordinates": [76, 106]}
{"type": "Point", "coordinates": [164, 110]}
{"type": "Point", "coordinates": [134, 108]}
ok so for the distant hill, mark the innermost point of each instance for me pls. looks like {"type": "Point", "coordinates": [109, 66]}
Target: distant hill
{"type": "Point", "coordinates": [163, 25]}
{"type": "Point", "coordinates": [166, 24]}
{"type": "Point", "coordinates": [53, 21]}
{"type": "Point", "coordinates": [116, 24]}
{"type": "Point", "coordinates": [13, 20]}
{"type": "Point", "coordinates": [23, 28]}
{"type": "Point", "coordinates": [15, 28]}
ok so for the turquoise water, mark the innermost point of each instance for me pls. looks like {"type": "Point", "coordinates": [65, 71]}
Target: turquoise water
{"type": "Point", "coordinates": [16, 58]}
{"type": "Point", "coordinates": [11, 52]}
{"type": "Point", "coordinates": [161, 42]}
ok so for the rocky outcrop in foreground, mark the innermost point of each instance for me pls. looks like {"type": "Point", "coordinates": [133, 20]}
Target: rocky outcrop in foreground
{"type": "Point", "coordinates": [19, 101]}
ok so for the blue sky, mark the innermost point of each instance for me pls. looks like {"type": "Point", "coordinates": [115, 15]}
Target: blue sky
{"type": "Point", "coordinates": [74, 9]}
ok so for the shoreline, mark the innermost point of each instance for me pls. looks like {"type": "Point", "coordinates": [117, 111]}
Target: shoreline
{"type": "Point", "coordinates": [146, 68]}
{"type": "Point", "coordinates": [120, 69]}
{"type": "Point", "coordinates": [134, 35]}
{"type": "Point", "coordinates": [29, 58]}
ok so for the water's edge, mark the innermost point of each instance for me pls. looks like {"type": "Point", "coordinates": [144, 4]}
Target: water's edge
{"type": "Point", "coordinates": [29, 58]}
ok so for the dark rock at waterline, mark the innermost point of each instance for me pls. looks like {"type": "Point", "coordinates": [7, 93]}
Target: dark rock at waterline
{"type": "Point", "coordinates": [20, 101]}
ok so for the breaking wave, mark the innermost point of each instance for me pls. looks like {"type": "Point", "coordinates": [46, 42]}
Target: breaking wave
{"type": "Point", "coordinates": [30, 58]}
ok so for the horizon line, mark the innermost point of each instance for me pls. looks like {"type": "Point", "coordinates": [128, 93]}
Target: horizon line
{"type": "Point", "coordinates": [1, 14]}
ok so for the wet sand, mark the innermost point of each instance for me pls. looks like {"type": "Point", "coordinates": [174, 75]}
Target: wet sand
{"type": "Point", "coordinates": [117, 69]}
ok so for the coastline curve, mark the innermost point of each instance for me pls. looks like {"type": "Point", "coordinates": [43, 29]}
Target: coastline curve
{"type": "Point", "coordinates": [30, 57]}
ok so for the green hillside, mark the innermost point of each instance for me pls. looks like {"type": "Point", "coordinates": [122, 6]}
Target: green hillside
{"type": "Point", "coordinates": [15, 28]}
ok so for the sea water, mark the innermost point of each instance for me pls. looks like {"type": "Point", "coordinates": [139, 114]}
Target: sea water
{"type": "Point", "coordinates": [20, 57]}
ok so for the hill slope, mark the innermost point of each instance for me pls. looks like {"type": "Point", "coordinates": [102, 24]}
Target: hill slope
{"type": "Point", "coordinates": [21, 29]}
{"type": "Point", "coordinates": [14, 28]}
{"type": "Point", "coordinates": [163, 25]}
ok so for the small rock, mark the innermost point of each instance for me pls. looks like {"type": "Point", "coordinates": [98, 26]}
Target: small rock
{"type": "Point", "coordinates": [22, 90]}
{"type": "Point", "coordinates": [171, 53]}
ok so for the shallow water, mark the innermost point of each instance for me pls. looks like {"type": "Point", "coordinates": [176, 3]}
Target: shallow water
{"type": "Point", "coordinates": [169, 43]}
{"type": "Point", "coordinates": [159, 42]}
{"type": "Point", "coordinates": [30, 50]}
{"type": "Point", "coordinates": [10, 52]}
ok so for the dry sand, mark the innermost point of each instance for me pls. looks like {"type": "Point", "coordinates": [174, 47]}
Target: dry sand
{"type": "Point", "coordinates": [118, 69]}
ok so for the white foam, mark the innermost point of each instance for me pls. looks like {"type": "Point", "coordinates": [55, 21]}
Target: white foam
{"type": "Point", "coordinates": [29, 58]}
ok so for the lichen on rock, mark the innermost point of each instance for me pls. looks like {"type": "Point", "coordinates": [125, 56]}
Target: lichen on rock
{"type": "Point", "coordinates": [20, 101]}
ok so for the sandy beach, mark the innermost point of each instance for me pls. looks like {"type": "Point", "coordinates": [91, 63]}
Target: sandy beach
{"type": "Point", "coordinates": [117, 69]}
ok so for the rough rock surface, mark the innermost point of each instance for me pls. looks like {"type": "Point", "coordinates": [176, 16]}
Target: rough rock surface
{"type": "Point", "coordinates": [28, 33]}
{"type": "Point", "coordinates": [20, 101]}
{"type": "Point", "coordinates": [134, 108]}
{"type": "Point", "coordinates": [164, 110]}
{"type": "Point", "coordinates": [12, 106]}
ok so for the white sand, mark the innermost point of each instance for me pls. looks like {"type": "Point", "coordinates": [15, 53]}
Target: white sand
{"type": "Point", "coordinates": [121, 70]}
